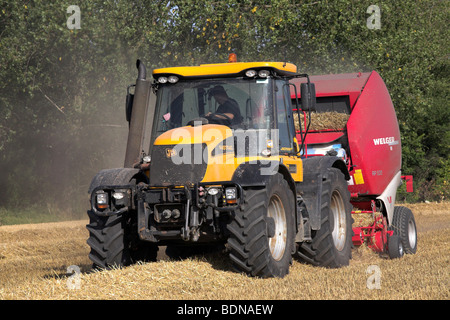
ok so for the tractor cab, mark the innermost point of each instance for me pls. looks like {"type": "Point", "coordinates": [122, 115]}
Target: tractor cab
{"type": "Point", "coordinates": [242, 96]}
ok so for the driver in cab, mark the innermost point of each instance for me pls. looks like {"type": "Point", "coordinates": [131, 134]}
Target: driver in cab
{"type": "Point", "coordinates": [228, 112]}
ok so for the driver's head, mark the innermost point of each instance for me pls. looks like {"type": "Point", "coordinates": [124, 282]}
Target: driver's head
{"type": "Point", "coordinates": [219, 93]}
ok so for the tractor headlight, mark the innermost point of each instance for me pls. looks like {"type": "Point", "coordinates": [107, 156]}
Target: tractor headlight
{"type": "Point", "coordinates": [162, 79]}
{"type": "Point", "coordinates": [213, 191]}
{"type": "Point", "coordinates": [230, 195]}
{"type": "Point", "coordinates": [102, 200]}
{"type": "Point", "coordinates": [250, 73]}
{"type": "Point", "coordinates": [118, 195]}
{"type": "Point", "coordinates": [120, 198]}
{"type": "Point", "coordinates": [264, 73]}
{"type": "Point", "coordinates": [146, 159]}
{"type": "Point", "coordinates": [173, 79]}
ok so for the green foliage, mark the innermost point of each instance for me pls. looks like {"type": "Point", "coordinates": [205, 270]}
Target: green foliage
{"type": "Point", "coordinates": [62, 91]}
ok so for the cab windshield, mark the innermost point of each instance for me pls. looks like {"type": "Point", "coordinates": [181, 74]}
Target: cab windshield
{"type": "Point", "coordinates": [237, 103]}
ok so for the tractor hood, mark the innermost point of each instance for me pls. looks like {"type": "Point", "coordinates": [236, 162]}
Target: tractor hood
{"type": "Point", "coordinates": [189, 155]}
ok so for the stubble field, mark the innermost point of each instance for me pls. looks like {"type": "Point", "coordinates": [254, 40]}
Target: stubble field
{"type": "Point", "coordinates": [34, 263]}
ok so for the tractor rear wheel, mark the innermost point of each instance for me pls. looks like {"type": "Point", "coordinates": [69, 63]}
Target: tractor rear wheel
{"type": "Point", "coordinates": [331, 245]}
{"type": "Point", "coordinates": [262, 233]}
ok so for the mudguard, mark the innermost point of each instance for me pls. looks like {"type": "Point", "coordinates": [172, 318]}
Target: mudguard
{"type": "Point", "coordinates": [388, 196]}
{"type": "Point", "coordinates": [112, 177]}
{"type": "Point", "coordinates": [311, 188]}
{"type": "Point", "coordinates": [258, 174]}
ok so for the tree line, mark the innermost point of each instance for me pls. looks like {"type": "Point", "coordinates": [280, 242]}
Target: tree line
{"type": "Point", "coordinates": [64, 75]}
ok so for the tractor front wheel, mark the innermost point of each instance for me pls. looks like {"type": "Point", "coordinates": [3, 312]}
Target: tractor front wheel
{"type": "Point", "coordinates": [262, 233]}
{"type": "Point", "coordinates": [114, 243]}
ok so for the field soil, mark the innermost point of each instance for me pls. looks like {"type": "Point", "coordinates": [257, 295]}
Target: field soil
{"type": "Point", "coordinates": [50, 261]}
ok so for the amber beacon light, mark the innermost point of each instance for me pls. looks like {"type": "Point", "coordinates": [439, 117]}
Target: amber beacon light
{"type": "Point", "coordinates": [232, 57]}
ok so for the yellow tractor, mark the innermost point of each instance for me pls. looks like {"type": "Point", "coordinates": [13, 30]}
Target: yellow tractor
{"type": "Point", "coordinates": [224, 166]}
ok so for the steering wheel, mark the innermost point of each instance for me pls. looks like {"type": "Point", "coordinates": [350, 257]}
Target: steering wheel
{"type": "Point", "coordinates": [198, 121]}
{"type": "Point", "coordinates": [213, 118]}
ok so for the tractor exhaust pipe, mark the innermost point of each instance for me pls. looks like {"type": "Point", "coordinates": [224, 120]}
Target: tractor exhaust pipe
{"type": "Point", "coordinates": [142, 71]}
{"type": "Point", "coordinates": [140, 103]}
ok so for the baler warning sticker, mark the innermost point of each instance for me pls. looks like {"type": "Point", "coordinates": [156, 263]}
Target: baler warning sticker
{"type": "Point", "coordinates": [358, 177]}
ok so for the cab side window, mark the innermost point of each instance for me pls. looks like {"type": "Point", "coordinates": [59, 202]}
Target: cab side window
{"type": "Point", "coordinates": [284, 120]}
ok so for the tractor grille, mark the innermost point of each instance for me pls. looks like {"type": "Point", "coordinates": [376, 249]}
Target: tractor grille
{"type": "Point", "coordinates": [178, 164]}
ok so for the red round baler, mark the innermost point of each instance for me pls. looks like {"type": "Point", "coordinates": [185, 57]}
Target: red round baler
{"type": "Point", "coordinates": [370, 144]}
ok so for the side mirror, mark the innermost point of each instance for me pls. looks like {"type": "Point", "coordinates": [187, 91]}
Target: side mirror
{"type": "Point", "coordinates": [308, 93]}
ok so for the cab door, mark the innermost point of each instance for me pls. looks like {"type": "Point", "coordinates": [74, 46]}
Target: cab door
{"type": "Point", "coordinates": [288, 145]}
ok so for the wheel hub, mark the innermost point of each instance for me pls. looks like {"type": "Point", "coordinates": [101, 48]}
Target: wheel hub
{"type": "Point", "coordinates": [277, 243]}
{"type": "Point", "coordinates": [340, 225]}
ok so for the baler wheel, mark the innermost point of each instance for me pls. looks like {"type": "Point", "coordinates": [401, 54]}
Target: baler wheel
{"type": "Point", "coordinates": [404, 226]}
{"type": "Point", "coordinates": [395, 247]}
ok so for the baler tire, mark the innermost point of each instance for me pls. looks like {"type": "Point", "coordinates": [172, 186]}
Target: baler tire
{"type": "Point", "coordinates": [395, 247]}
{"type": "Point", "coordinates": [261, 245]}
{"type": "Point", "coordinates": [328, 248]}
{"type": "Point", "coordinates": [404, 225]}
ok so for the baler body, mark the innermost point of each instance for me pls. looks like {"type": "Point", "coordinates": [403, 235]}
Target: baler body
{"type": "Point", "coordinates": [371, 136]}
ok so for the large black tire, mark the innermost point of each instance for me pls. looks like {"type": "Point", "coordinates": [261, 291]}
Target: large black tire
{"type": "Point", "coordinates": [106, 239]}
{"type": "Point", "coordinates": [331, 245]}
{"type": "Point", "coordinates": [404, 226]}
{"type": "Point", "coordinates": [261, 240]}
{"type": "Point", "coordinates": [395, 247]}
{"type": "Point", "coordinates": [114, 242]}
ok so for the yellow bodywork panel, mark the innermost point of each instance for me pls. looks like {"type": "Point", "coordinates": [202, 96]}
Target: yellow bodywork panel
{"type": "Point", "coordinates": [295, 166]}
{"type": "Point", "coordinates": [225, 69]}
